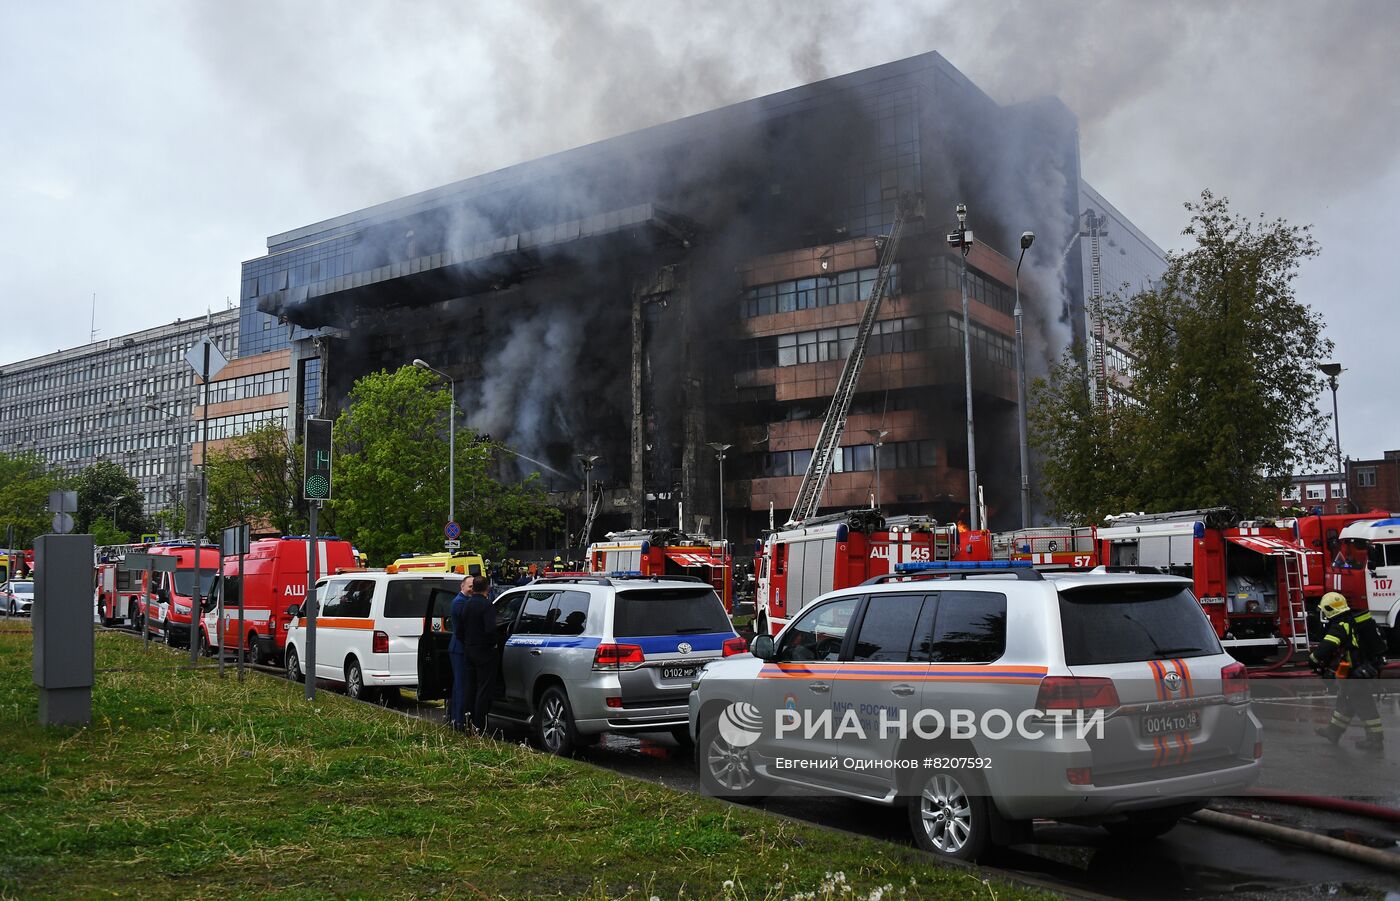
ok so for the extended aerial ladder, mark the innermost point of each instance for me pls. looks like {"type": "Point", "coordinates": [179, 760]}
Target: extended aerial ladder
{"type": "Point", "coordinates": [809, 493]}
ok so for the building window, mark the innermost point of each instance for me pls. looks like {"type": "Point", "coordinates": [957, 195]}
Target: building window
{"type": "Point", "coordinates": [1366, 477]}
{"type": "Point", "coordinates": [1339, 490]}
{"type": "Point", "coordinates": [1317, 492]}
{"type": "Point", "coordinates": [809, 293]}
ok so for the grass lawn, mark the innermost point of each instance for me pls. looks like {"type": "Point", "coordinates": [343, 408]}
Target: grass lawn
{"type": "Point", "coordinates": [187, 785]}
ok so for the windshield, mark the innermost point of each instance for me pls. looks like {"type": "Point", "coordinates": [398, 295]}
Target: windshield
{"type": "Point", "coordinates": [677, 611]}
{"type": "Point", "coordinates": [22, 587]}
{"type": "Point", "coordinates": [1125, 623]}
{"type": "Point", "coordinates": [1352, 554]}
{"type": "Point", "coordinates": [184, 582]}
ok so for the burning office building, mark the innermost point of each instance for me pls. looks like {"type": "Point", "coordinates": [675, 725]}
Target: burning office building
{"type": "Point", "coordinates": [652, 298]}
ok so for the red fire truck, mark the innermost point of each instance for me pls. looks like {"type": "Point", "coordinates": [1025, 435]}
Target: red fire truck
{"type": "Point", "coordinates": [666, 552]}
{"type": "Point", "coordinates": [1250, 576]}
{"type": "Point", "coordinates": [274, 578]}
{"type": "Point", "coordinates": [168, 598]}
{"type": "Point", "coordinates": [795, 565]}
{"type": "Point", "coordinates": [118, 589]}
{"type": "Point", "coordinates": [1341, 570]}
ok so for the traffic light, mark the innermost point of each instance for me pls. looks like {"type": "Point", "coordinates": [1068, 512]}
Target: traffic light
{"type": "Point", "coordinates": [316, 478]}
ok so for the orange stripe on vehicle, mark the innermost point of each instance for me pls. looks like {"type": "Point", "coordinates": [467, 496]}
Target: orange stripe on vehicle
{"type": "Point", "coordinates": [1161, 750]}
{"type": "Point", "coordinates": [1185, 671]}
{"type": "Point", "coordinates": [1158, 674]}
{"type": "Point", "coordinates": [344, 622]}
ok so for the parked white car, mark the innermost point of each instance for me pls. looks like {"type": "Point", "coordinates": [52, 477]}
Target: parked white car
{"type": "Point", "coordinates": [367, 629]}
{"type": "Point", "coordinates": [17, 598]}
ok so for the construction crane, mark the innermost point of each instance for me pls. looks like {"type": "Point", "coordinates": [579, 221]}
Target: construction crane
{"type": "Point", "coordinates": [809, 493]}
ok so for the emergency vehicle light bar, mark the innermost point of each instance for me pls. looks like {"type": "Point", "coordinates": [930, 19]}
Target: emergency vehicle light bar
{"type": "Point", "coordinates": [624, 573]}
{"type": "Point", "coordinates": [927, 566]}
{"type": "Point", "coordinates": [960, 569]}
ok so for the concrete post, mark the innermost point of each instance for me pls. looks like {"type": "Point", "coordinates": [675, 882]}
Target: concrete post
{"type": "Point", "coordinates": [62, 622]}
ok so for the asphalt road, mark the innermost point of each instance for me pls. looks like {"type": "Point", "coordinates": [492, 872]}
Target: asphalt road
{"type": "Point", "coordinates": [1192, 861]}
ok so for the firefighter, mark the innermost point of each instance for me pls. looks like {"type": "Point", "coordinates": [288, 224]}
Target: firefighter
{"type": "Point", "coordinates": [558, 564]}
{"type": "Point", "coordinates": [1351, 650]}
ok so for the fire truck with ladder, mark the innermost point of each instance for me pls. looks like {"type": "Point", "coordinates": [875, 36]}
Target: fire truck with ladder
{"type": "Point", "coordinates": [119, 595]}
{"type": "Point", "coordinates": [811, 555]}
{"type": "Point", "coordinates": [795, 565]}
{"type": "Point", "coordinates": [1250, 576]}
{"type": "Point", "coordinates": [666, 552]}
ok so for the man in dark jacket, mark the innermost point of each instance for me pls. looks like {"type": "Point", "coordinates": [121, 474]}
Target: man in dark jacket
{"type": "Point", "coordinates": [473, 652]}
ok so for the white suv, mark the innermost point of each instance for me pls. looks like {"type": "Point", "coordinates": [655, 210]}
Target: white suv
{"type": "Point", "coordinates": [367, 629]}
{"type": "Point", "coordinates": [1098, 698]}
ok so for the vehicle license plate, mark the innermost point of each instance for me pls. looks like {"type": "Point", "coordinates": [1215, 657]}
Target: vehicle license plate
{"type": "Point", "coordinates": [1162, 723]}
{"type": "Point", "coordinates": [679, 672]}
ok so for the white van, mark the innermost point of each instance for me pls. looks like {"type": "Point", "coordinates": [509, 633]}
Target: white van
{"type": "Point", "coordinates": [367, 629]}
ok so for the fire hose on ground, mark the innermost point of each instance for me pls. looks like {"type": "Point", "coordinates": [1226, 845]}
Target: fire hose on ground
{"type": "Point", "coordinates": [1336, 847]}
{"type": "Point", "coordinates": [1338, 805]}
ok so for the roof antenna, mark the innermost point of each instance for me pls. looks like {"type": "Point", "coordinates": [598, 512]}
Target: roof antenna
{"type": "Point", "coordinates": [92, 326]}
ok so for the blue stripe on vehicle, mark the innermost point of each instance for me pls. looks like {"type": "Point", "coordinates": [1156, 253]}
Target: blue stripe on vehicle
{"type": "Point", "coordinates": [667, 644]}
{"type": "Point", "coordinates": [544, 641]}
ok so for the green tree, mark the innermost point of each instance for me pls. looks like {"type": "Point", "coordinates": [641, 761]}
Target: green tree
{"type": "Point", "coordinates": [391, 473]}
{"type": "Point", "coordinates": [25, 483]}
{"type": "Point", "coordinates": [1223, 401]}
{"type": "Point", "coordinates": [108, 492]}
{"type": "Point", "coordinates": [256, 478]}
{"type": "Point", "coordinates": [104, 533]}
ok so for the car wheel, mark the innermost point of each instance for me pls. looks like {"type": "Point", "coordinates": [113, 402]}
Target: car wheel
{"type": "Point", "coordinates": [950, 816]}
{"type": "Point", "coordinates": [1141, 828]}
{"type": "Point", "coordinates": [355, 682]}
{"type": "Point", "coordinates": [554, 722]}
{"type": "Point", "coordinates": [250, 653]}
{"type": "Point", "coordinates": [726, 770]}
{"type": "Point", "coordinates": [293, 665]}
{"type": "Point", "coordinates": [206, 647]}
{"type": "Point", "coordinates": [12, 608]}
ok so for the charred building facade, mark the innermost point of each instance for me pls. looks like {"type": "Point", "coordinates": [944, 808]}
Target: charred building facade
{"type": "Point", "coordinates": [697, 283]}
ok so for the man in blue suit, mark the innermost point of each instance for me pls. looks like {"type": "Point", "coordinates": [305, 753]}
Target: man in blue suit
{"type": "Point", "coordinates": [473, 654]}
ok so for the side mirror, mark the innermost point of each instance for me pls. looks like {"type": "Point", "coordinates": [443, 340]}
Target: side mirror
{"type": "Point", "coordinates": [294, 611]}
{"type": "Point", "coordinates": [763, 648]}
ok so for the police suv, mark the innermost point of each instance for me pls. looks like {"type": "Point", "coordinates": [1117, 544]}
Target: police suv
{"type": "Point", "coordinates": [983, 696]}
{"type": "Point", "coordinates": [583, 654]}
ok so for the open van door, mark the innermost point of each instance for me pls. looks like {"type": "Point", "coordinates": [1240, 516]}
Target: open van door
{"type": "Point", "coordinates": [434, 662]}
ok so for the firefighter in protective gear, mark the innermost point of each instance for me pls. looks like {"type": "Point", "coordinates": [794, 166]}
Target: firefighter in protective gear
{"type": "Point", "coordinates": [558, 564]}
{"type": "Point", "coordinates": [1351, 650]}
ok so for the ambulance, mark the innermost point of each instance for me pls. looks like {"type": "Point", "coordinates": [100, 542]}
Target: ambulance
{"type": "Point", "coordinates": [467, 563]}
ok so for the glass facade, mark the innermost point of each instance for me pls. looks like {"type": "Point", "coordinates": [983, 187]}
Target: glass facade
{"type": "Point", "coordinates": [889, 166]}
{"type": "Point", "coordinates": [807, 293]}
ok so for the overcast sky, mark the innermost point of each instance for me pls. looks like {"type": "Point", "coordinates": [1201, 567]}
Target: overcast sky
{"type": "Point", "coordinates": [147, 148]}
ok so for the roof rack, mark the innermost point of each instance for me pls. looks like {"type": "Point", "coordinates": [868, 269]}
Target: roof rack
{"type": "Point", "coordinates": [959, 569]}
{"type": "Point", "coordinates": [1128, 568]}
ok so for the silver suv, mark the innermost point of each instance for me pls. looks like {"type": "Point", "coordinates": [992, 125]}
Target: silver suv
{"type": "Point", "coordinates": [983, 697]}
{"type": "Point", "coordinates": [584, 655]}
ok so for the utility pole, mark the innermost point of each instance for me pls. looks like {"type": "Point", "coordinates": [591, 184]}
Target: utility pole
{"type": "Point", "coordinates": [1027, 239]}
{"type": "Point", "coordinates": [719, 448]}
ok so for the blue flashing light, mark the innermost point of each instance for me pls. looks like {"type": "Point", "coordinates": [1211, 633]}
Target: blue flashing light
{"type": "Point", "coordinates": [619, 573]}
{"type": "Point", "coordinates": [1198, 530]}
{"type": "Point", "coordinates": [923, 566]}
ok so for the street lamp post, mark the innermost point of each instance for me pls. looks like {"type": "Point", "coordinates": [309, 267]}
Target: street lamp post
{"type": "Point", "coordinates": [587, 461]}
{"type": "Point", "coordinates": [963, 240]}
{"type": "Point", "coordinates": [1027, 239]}
{"type": "Point", "coordinates": [877, 438]}
{"type": "Point", "coordinates": [451, 439]}
{"type": "Point", "coordinates": [1332, 370]}
{"type": "Point", "coordinates": [719, 449]}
